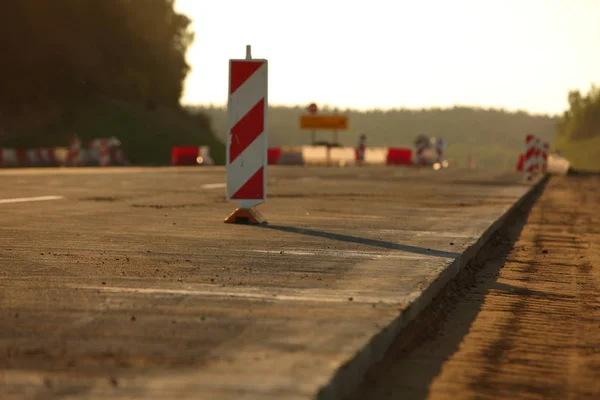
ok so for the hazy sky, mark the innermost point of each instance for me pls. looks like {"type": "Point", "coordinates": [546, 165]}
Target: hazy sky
{"type": "Point", "coordinates": [516, 54]}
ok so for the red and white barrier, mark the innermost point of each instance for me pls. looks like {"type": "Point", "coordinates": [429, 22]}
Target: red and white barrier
{"type": "Point", "coordinates": [118, 156]}
{"type": "Point", "coordinates": [558, 165]}
{"type": "Point", "coordinates": [520, 166]}
{"type": "Point", "coordinates": [340, 156]}
{"type": "Point", "coordinates": [430, 152]}
{"type": "Point", "coordinates": [545, 152]}
{"type": "Point", "coordinates": [553, 164]}
{"type": "Point", "coordinates": [399, 156]}
{"type": "Point", "coordinates": [8, 158]}
{"type": "Point", "coordinates": [100, 150]}
{"type": "Point", "coordinates": [421, 146]}
{"type": "Point", "coordinates": [247, 137]}
{"type": "Point", "coordinates": [440, 147]}
{"type": "Point", "coordinates": [42, 157]}
{"type": "Point", "coordinates": [361, 149]}
{"type": "Point", "coordinates": [538, 154]}
{"type": "Point", "coordinates": [76, 153]}
{"type": "Point", "coordinates": [191, 155]}
{"type": "Point", "coordinates": [306, 155]}
{"type": "Point", "coordinates": [376, 156]}
{"type": "Point", "coordinates": [530, 164]}
{"type": "Point", "coordinates": [103, 151]}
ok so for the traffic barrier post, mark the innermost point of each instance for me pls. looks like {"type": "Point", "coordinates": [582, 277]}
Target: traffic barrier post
{"type": "Point", "coordinates": [531, 159]}
{"type": "Point", "coordinates": [247, 138]}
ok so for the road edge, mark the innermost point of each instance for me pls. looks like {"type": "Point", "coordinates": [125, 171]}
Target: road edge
{"type": "Point", "coordinates": [350, 375]}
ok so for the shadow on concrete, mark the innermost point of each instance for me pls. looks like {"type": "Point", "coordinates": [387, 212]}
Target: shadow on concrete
{"type": "Point", "coordinates": [410, 366]}
{"type": "Point", "coordinates": [365, 241]}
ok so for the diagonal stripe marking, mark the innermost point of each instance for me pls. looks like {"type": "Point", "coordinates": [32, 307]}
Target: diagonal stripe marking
{"type": "Point", "coordinates": [253, 188]}
{"type": "Point", "coordinates": [246, 165]}
{"type": "Point", "coordinates": [247, 130]}
{"type": "Point", "coordinates": [240, 72]}
{"type": "Point", "coordinates": [245, 98]}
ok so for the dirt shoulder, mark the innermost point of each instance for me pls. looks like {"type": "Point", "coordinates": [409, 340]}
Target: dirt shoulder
{"type": "Point", "coordinates": [528, 327]}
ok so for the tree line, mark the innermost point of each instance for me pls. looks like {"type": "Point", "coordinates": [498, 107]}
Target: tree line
{"type": "Point", "coordinates": [60, 53]}
{"type": "Point", "coordinates": [582, 119]}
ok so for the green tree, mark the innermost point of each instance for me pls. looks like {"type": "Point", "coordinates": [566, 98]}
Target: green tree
{"type": "Point", "coordinates": [63, 51]}
{"type": "Point", "coordinates": [94, 67]}
{"type": "Point", "coordinates": [582, 119]}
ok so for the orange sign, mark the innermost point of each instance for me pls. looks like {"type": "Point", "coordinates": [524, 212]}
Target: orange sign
{"type": "Point", "coordinates": [325, 122]}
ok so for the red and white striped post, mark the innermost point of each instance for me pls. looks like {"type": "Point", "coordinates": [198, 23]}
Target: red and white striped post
{"type": "Point", "coordinates": [100, 146]}
{"type": "Point", "coordinates": [531, 159]}
{"type": "Point", "coordinates": [421, 144]}
{"type": "Point", "coordinates": [104, 154]}
{"type": "Point", "coordinates": [247, 108]}
{"type": "Point", "coordinates": [361, 149]}
{"type": "Point", "coordinates": [104, 149]}
{"type": "Point", "coordinates": [39, 157]}
{"type": "Point", "coordinates": [538, 155]}
{"type": "Point", "coordinates": [440, 147]}
{"type": "Point", "coordinates": [75, 152]}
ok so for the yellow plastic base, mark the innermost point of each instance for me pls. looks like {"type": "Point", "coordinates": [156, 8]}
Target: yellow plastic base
{"type": "Point", "coordinates": [244, 216]}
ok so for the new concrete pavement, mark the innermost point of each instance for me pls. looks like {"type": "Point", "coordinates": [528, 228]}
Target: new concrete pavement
{"type": "Point", "coordinates": [126, 283]}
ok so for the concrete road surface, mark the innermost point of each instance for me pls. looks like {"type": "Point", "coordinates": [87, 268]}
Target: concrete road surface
{"type": "Point", "coordinates": [126, 283]}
